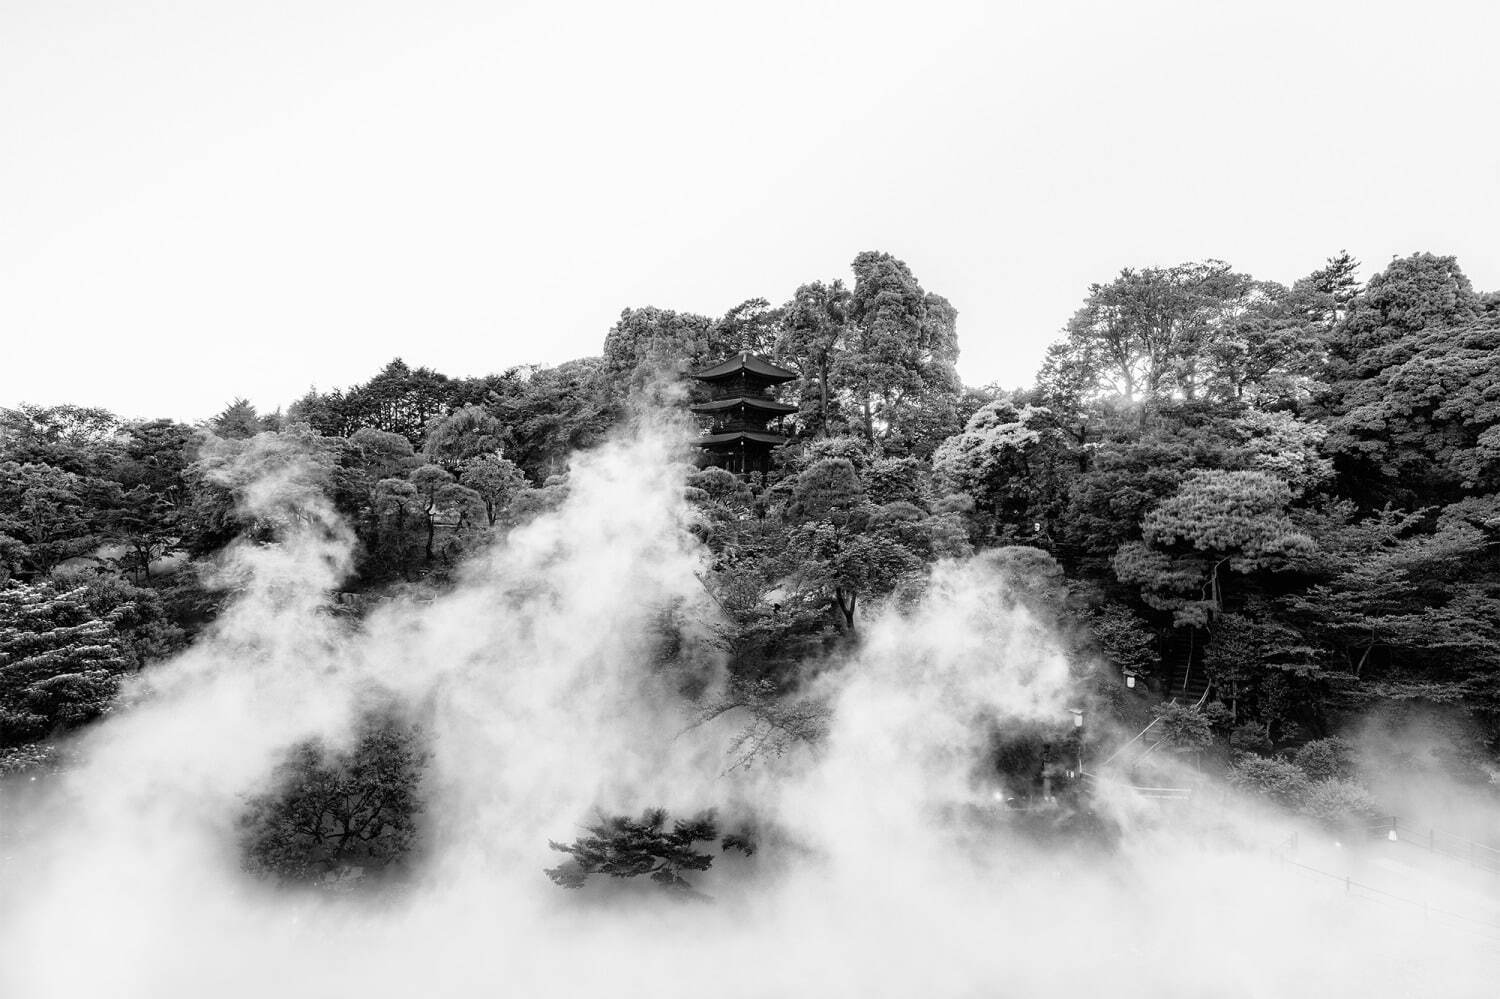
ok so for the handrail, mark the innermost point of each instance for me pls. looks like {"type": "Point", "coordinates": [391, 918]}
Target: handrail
{"type": "Point", "coordinates": [1441, 842]}
{"type": "Point", "coordinates": [1427, 908]}
{"type": "Point", "coordinates": [1393, 822]}
{"type": "Point", "coordinates": [1127, 745]}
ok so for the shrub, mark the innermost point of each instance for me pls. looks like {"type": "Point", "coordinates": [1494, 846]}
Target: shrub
{"type": "Point", "coordinates": [1326, 759]}
{"type": "Point", "coordinates": [1251, 737]}
{"type": "Point", "coordinates": [1278, 780]}
{"type": "Point", "coordinates": [1185, 729]}
{"type": "Point", "coordinates": [1339, 803]}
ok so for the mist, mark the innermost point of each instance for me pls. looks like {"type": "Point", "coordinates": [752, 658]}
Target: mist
{"type": "Point", "coordinates": [887, 865]}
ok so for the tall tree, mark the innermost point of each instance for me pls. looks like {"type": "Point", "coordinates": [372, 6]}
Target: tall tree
{"type": "Point", "coordinates": [47, 516]}
{"type": "Point", "coordinates": [1215, 520]}
{"type": "Point", "coordinates": [899, 355]}
{"type": "Point", "coordinates": [462, 435]}
{"type": "Point", "coordinates": [649, 342]}
{"type": "Point", "coordinates": [815, 323]}
{"type": "Point", "coordinates": [1412, 294]}
{"type": "Point", "coordinates": [239, 421]}
{"type": "Point", "coordinates": [1141, 338]}
{"type": "Point", "coordinates": [752, 325]}
{"type": "Point", "coordinates": [78, 439]}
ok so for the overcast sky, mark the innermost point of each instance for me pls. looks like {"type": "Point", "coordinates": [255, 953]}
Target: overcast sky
{"type": "Point", "coordinates": [200, 200]}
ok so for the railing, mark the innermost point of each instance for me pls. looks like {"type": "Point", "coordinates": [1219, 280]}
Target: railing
{"type": "Point", "coordinates": [1485, 929]}
{"type": "Point", "coordinates": [1439, 842]}
{"type": "Point", "coordinates": [1163, 793]}
{"type": "Point", "coordinates": [1127, 745]}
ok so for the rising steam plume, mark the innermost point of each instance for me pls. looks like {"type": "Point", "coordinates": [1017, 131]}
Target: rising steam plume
{"type": "Point", "coordinates": [889, 872]}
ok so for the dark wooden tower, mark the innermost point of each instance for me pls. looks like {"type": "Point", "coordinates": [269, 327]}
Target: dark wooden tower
{"type": "Point", "coordinates": [738, 435]}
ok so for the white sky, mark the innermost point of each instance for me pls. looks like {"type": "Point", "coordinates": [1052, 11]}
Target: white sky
{"type": "Point", "coordinates": [200, 200]}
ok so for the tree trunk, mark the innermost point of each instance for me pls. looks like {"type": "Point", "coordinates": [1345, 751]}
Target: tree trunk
{"type": "Point", "coordinates": [823, 397]}
{"type": "Point", "coordinates": [847, 609]}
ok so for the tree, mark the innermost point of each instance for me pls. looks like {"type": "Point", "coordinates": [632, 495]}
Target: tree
{"type": "Point", "coordinates": [46, 517]}
{"type": "Point", "coordinates": [78, 439]}
{"type": "Point", "coordinates": [142, 617]}
{"type": "Point", "coordinates": [1283, 445]}
{"type": "Point", "coordinates": [330, 812]}
{"type": "Point", "coordinates": [146, 523]}
{"type": "Point", "coordinates": [846, 547]}
{"type": "Point", "coordinates": [1405, 605]}
{"type": "Point", "coordinates": [555, 412]}
{"type": "Point", "coordinates": [814, 324]}
{"type": "Point", "coordinates": [1267, 346]}
{"type": "Point", "coordinates": [1129, 474]}
{"type": "Point", "coordinates": [155, 455]}
{"type": "Point", "coordinates": [1012, 460]}
{"type": "Point", "coordinates": [752, 325]}
{"type": "Point", "coordinates": [900, 348]}
{"type": "Point", "coordinates": [1412, 294]}
{"type": "Point", "coordinates": [239, 421]}
{"type": "Point", "coordinates": [1121, 637]}
{"type": "Point", "coordinates": [1141, 338]}
{"type": "Point", "coordinates": [441, 500]}
{"type": "Point", "coordinates": [827, 490]}
{"type": "Point", "coordinates": [1265, 668]}
{"type": "Point", "coordinates": [462, 435]}
{"type": "Point", "coordinates": [399, 400]}
{"type": "Point", "coordinates": [60, 664]}
{"type": "Point", "coordinates": [1214, 519]}
{"type": "Point", "coordinates": [227, 475]}
{"type": "Point", "coordinates": [622, 847]}
{"type": "Point", "coordinates": [1428, 426]}
{"type": "Point", "coordinates": [495, 480]}
{"type": "Point", "coordinates": [648, 342]}
{"type": "Point", "coordinates": [1335, 281]}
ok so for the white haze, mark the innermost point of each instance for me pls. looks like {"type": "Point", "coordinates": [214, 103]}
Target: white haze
{"type": "Point", "coordinates": [887, 872]}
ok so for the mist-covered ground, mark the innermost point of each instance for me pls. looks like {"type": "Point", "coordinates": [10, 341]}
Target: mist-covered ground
{"type": "Point", "coordinates": [885, 867]}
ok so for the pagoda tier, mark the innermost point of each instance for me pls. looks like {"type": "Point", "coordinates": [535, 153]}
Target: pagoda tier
{"type": "Point", "coordinates": [743, 375]}
{"type": "Point", "coordinates": [739, 411]}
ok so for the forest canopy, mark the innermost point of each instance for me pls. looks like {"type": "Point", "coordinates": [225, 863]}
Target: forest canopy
{"type": "Point", "coordinates": [1283, 496]}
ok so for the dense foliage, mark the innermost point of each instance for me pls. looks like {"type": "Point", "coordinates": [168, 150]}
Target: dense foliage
{"type": "Point", "coordinates": [1284, 499]}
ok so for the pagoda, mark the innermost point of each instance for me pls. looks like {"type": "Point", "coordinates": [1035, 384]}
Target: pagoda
{"type": "Point", "coordinates": [739, 411]}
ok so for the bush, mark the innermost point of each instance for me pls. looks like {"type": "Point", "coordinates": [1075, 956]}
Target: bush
{"type": "Point", "coordinates": [1339, 804]}
{"type": "Point", "coordinates": [1326, 759]}
{"type": "Point", "coordinates": [718, 483]}
{"type": "Point", "coordinates": [1278, 780]}
{"type": "Point", "coordinates": [1185, 729]}
{"type": "Point", "coordinates": [1251, 737]}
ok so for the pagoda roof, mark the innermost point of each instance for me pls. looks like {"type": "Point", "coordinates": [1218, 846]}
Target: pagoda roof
{"type": "Point", "coordinates": [736, 436]}
{"type": "Point", "coordinates": [749, 402]}
{"type": "Point", "coordinates": [747, 362]}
